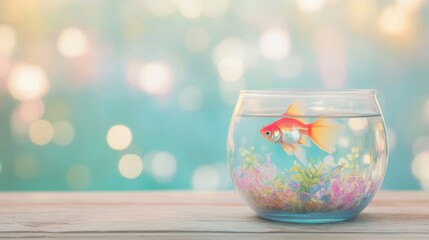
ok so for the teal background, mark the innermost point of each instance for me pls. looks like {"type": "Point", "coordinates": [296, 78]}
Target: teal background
{"type": "Point", "coordinates": [342, 44]}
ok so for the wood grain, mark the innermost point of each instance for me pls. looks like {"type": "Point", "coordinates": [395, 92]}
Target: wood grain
{"type": "Point", "coordinates": [189, 215]}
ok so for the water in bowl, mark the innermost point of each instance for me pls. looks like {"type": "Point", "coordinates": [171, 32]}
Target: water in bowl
{"type": "Point", "coordinates": [323, 187]}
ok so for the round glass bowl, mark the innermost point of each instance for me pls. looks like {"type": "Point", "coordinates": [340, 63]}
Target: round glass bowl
{"type": "Point", "coordinates": [307, 156]}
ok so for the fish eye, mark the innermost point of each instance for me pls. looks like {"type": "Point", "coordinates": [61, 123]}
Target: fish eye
{"type": "Point", "coordinates": [268, 133]}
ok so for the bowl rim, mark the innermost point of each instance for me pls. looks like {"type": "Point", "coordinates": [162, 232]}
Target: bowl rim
{"type": "Point", "coordinates": [309, 91]}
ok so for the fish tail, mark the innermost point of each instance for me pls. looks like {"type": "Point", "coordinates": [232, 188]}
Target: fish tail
{"type": "Point", "coordinates": [324, 133]}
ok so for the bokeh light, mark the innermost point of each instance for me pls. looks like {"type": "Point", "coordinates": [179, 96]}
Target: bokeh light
{"type": "Point", "coordinates": [391, 138]}
{"type": "Point", "coordinates": [420, 166]}
{"type": "Point", "coordinates": [410, 4]}
{"type": "Point", "coordinates": [358, 124]}
{"type": "Point", "coordinates": [191, 8]}
{"type": "Point", "coordinates": [380, 137]}
{"type": "Point", "coordinates": [23, 116]}
{"type": "Point", "coordinates": [130, 166]}
{"type": "Point", "coordinates": [394, 20]}
{"type": "Point", "coordinates": [5, 65]}
{"type": "Point", "coordinates": [27, 82]}
{"type": "Point", "coordinates": [361, 11]}
{"type": "Point", "coordinates": [274, 44]}
{"type": "Point", "coordinates": [191, 98]}
{"type": "Point", "coordinates": [163, 166]}
{"type": "Point", "coordinates": [41, 132]}
{"type": "Point", "coordinates": [72, 42]}
{"type": "Point", "coordinates": [205, 177]}
{"type": "Point", "coordinates": [63, 133]}
{"type": "Point", "coordinates": [155, 78]}
{"type": "Point", "coordinates": [132, 73]}
{"type": "Point", "coordinates": [236, 47]}
{"type": "Point", "coordinates": [119, 137]}
{"type": "Point", "coordinates": [367, 159]}
{"type": "Point", "coordinates": [216, 8]}
{"type": "Point", "coordinates": [19, 125]}
{"type": "Point", "coordinates": [310, 6]}
{"type": "Point", "coordinates": [25, 167]}
{"type": "Point", "coordinates": [78, 177]}
{"type": "Point", "coordinates": [7, 40]}
{"type": "Point", "coordinates": [318, 108]}
{"type": "Point", "coordinates": [32, 110]}
{"type": "Point", "coordinates": [231, 68]}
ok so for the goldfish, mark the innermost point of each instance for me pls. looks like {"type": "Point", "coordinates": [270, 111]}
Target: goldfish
{"type": "Point", "coordinates": [293, 133]}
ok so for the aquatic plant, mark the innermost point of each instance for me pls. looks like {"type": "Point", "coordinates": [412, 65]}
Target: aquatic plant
{"type": "Point", "coordinates": [249, 158]}
{"type": "Point", "coordinates": [319, 187]}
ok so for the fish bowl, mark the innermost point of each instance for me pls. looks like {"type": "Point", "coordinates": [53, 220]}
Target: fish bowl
{"type": "Point", "coordinates": [307, 156]}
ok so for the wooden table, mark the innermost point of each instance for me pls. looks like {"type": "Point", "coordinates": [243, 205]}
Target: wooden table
{"type": "Point", "coordinates": [192, 215]}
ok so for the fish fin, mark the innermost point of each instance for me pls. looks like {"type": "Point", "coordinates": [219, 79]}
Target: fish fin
{"type": "Point", "coordinates": [324, 133]}
{"type": "Point", "coordinates": [304, 141]}
{"type": "Point", "coordinates": [300, 154]}
{"type": "Point", "coordinates": [288, 149]}
{"type": "Point", "coordinates": [297, 108]}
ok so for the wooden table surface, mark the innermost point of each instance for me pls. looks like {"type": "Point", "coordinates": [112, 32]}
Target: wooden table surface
{"type": "Point", "coordinates": [195, 215]}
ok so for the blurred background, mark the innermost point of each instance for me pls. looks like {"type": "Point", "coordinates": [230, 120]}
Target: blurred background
{"type": "Point", "coordinates": [121, 95]}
